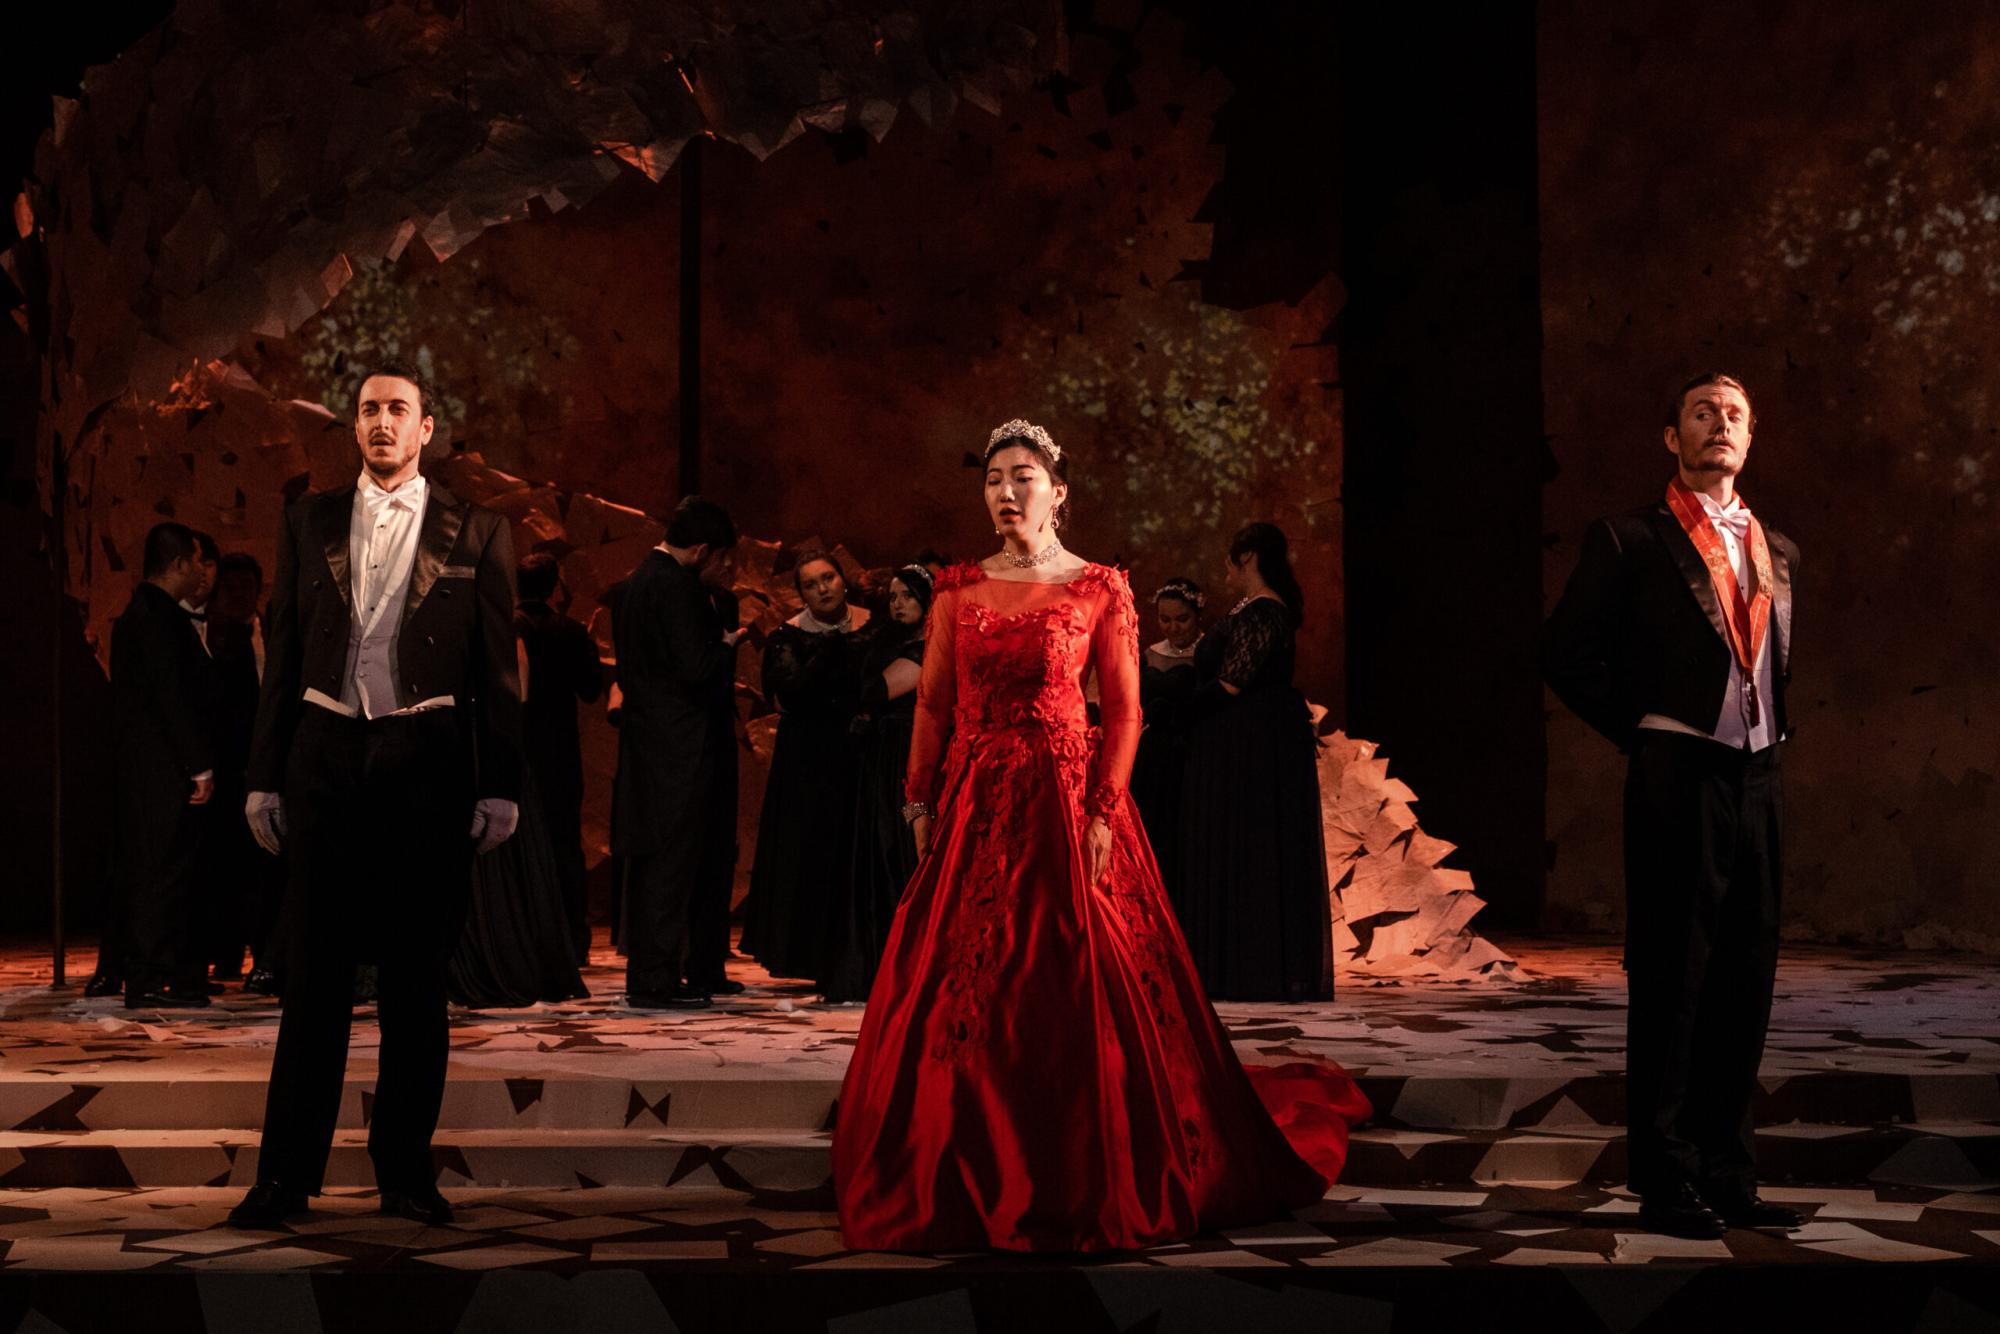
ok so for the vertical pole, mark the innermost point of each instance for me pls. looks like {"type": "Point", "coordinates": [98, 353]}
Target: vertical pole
{"type": "Point", "coordinates": [59, 567]}
{"type": "Point", "coordinates": [690, 369]}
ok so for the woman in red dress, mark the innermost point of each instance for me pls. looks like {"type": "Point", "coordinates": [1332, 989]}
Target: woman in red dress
{"type": "Point", "coordinates": [1038, 1067]}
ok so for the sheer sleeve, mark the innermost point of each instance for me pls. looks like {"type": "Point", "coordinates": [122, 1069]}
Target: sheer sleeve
{"type": "Point", "coordinates": [784, 667]}
{"type": "Point", "coordinates": [937, 697]}
{"type": "Point", "coordinates": [1254, 635]}
{"type": "Point", "coordinates": [1114, 651]}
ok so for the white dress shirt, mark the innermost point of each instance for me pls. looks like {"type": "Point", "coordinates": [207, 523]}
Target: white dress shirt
{"type": "Point", "coordinates": [383, 533]}
{"type": "Point", "coordinates": [1733, 728]}
{"type": "Point", "coordinates": [199, 615]}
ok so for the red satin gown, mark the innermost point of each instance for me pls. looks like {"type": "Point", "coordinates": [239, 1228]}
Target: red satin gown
{"type": "Point", "coordinates": [1038, 1067]}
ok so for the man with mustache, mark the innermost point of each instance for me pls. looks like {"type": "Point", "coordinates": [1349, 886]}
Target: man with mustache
{"type": "Point", "coordinates": [387, 745]}
{"type": "Point", "coordinates": [1673, 638]}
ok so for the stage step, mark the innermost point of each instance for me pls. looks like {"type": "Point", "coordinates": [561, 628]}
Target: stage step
{"type": "Point", "coordinates": [739, 1097]}
{"type": "Point", "coordinates": [780, 1166]}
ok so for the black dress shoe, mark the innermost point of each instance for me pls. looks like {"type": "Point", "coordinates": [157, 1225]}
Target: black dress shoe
{"type": "Point", "coordinates": [215, 988]}
{"type": "Point", "coordinates": [267, 1206]}
{"type": "Point", "coordinates": [103, 984]}
{"type": "Point", "coordinates": [719, 987]}
{"type": "Point", "coordinates": [680, 998]}
{"type": "Point", "coordinates": [262, 981]}
{"type": "Point", "coordinates": [166, 998]}
{"type": "Point", "coordinates": [422, 1205]}
{"type": "Point", "coordinates": [1740, 1209]}
{"type": "Point", "coordinates": [1680, 1213]}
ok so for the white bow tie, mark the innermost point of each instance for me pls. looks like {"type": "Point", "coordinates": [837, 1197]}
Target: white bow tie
{"type": "Point", "coordinates": [374, 499]}
{"type": "Point", "coordinates": [1736, 521]}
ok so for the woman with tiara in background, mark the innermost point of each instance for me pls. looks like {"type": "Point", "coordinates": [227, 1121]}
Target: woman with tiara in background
{"type": "Point", "coordinates": [1038, 1067]}
{"type": "Point", "coordinates": [884, 852]}
{"type": "Point", "coordinates": [1167, 681]}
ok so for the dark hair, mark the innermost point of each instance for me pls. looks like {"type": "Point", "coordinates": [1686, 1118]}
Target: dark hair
{"type": "Point", "coordinates": [206, 546]}
{"type": "Point", "coordinates": [537, 575]}
{"type": "Point", "coordinates": [1057, 466]}
{"type": "Point", "coordinates": [239, 562]}
{"type": "Point", "coordinates": [402, 370]}
{"type": "Point", "coordinates": [1274, 562]}
{"type": "Point", "coordinates": [166, 543]}
{"type": "Point", "coordinates": [931, 556]}
{"type": "Point", "coordinates": [918, 580]}
{"type": "Point", "coordinates": [1184, 588]}
{"type": "Point", "coordinates": [811, 555]}
{"type": "Point", "coordinates": [697, 520]}
{"type": "Point", "coordinates": [1699, 381]}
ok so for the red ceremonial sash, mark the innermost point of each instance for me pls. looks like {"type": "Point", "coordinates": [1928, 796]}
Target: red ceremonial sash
{"type": "Point", "coordinates": [1748, 621]}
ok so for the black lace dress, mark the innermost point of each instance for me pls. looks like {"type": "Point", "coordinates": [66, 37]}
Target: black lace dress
{"type": "Point", "coordinates": [1253, 855]}
{"type": "Point", "coordinates": [884, 851]}
{"type": "Point", "coordinates": [1166, 694]}
{"type": "Point", "coordinates": [807, 823]}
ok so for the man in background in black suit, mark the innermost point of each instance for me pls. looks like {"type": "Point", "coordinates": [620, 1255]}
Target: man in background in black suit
{"type": "Point", "coordinates": [387, 744]}
{"type": "Point", "coordinates": [163, 709]}
{"type": "Point", "coordinates": [1673, 638]}
{"type": "Point", "coordinates": [563, 670]}
{"type": "Point", "coordinates": [673, 814]}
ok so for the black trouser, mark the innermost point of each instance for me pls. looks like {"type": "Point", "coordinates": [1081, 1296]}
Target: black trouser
{"type": "Point", "coordinates": [155, 913]}
{"type": "Point", "coordinates": [377, 816]}
{"type": "Point", "coordinates": [675, 911]}
{"type": "Point", "coordinates": [1702, 872]}
{"type": "Point", "coordinates": [708, 910]}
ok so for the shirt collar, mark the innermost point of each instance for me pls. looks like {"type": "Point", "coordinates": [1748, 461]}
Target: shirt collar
{"type": "Point", "coordinates": [409, 496]}
{"type": "Point", "coordinates": [1717, 510]}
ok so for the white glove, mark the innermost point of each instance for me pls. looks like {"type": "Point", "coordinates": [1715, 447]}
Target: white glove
{"type": "Point", "coordinates": [493, 821]}
{"type": "Point", "coordinates": [266, 813]}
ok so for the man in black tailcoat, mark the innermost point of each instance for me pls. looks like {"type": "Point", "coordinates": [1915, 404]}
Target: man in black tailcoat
{"type": "Point", "coordinates": [387, 747]}
{"type": "Point", "coordinates": [162, 693]}
{"type": "Point", "coordinates": [1673, 638]}
{"type": "Point", "coordinates": [673, 815]}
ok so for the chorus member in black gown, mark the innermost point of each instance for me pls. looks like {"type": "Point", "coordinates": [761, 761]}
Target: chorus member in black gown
{"type": "Point", "coordinates": [563, 671]}
{"type": "Point", "coordinates": [1257, 914]}
{"type": "Point", "coordinates": [1673, 639]}
{"type": "Point", "coordinates": [516, 947]}
{"type": "Point", "coordinates": [885, 852]}
{"type": "Point", "coordinates": [387, 751]}
{"type": "Point", "coordinates": [163, 709]}
{"type": "Point", "coordinates": [245, 880]}
{"type": "Point", "coordinates": [672, 820]}
{"type": "Point", "coordinates": [1167, 681]}
{"type": "Point", "coordinates": [811, 672]}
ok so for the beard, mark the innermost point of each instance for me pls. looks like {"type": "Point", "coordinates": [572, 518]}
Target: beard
{"type": "Point", "coordinates": [384, 465]}
{"type": "Point", "coordinates": [1697, 462]}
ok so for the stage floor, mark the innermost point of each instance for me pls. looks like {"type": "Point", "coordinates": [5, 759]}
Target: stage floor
{"type": "Point", "coordinates": [584, 1137]}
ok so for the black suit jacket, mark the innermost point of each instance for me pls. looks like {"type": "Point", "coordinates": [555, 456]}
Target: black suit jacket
{"type": "Point", "coordinates": [675, 672]}
{"type": "Point", "coordinates": [1639, 628]}
{"type": "Point", "coordinates": [457, 635]}
{"type": "Point", "coordinates": [163, 710]}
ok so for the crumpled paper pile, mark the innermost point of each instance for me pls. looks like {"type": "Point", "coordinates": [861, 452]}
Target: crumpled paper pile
{"type": "Point", "coordinates": [1398, 913]}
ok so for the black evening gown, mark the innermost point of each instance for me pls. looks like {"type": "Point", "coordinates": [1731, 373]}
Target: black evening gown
{"type": "Point", "coordinates": [1253, 854]}
{"type": "Point", "coordinates": [516, 947]}
{"type": "Point", "coordinates": [884, 850]}
{"type": "Point", "coordinates": [807, 821]}
{"type": "Point", "coordinates": [1160, 767]}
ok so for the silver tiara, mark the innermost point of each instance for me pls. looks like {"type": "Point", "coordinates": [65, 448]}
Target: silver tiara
{"type": "Point", "coordinates": [1025, 430]}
